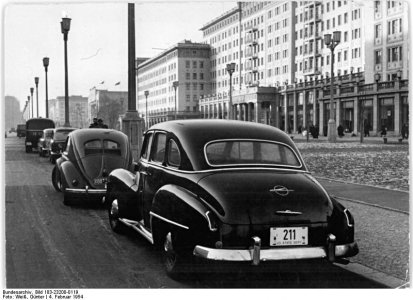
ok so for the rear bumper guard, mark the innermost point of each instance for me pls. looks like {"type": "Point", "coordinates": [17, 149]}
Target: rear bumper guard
{"type": "Point", "coordinates": [255, 254]}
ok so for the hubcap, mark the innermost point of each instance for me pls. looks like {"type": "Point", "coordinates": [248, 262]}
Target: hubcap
{"type": "Point", "coordinates": [170, 256]}
{"type": "Point", "coordinates": [114, 211]}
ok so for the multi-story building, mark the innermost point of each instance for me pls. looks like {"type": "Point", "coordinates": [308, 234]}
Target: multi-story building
{"type": "Point", "coordinates": [107, 105]}
{"type": "Point", "coordinates": [174, 81]}
{"type": "Point", "coordinates": [283, 68]}
{"type": "Point", "coordinates": [13, 114]}
{"type": "Point", "coordinates": [78, 111]}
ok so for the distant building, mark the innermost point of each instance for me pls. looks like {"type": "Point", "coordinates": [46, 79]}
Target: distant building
{"type": "Point", "coordinates": [186, 63]}
{"type": "Point", "coordinates": [78, 111]}
{"type": "Point", "coordinates": [13, 114]}
{"type": "Point", "coordinates": [107, 105]}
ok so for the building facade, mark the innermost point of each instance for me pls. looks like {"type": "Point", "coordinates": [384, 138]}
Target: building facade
{"type": "Point", "coordinates": [78, 111]}
{"type": "Point", "coordinates": [283, 68]}
{"type": "Point", "coordinates": [107, 105]}
{"type": "Point", "coordinates": [173, 81]}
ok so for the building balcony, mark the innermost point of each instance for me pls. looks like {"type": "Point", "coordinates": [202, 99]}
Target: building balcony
{"type": "Point", "coordinates": [251, 41]}
{"type": "Point", "coordinates": [395, 38]}
{"type": "Point", "coordinates": [251, 28]}
{"type": "Point", "coordinates": [251, 55]}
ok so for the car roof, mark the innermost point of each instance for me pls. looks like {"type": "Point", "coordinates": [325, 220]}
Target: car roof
{"type": "Point", "coordinates": [64, 129]}
{"type": "Point", "coordinates": [195, 134]}
{"type": "Point", "coordinates": [83, 135]}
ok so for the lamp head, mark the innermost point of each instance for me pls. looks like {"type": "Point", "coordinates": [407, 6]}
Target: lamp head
{"type": "Point", "coordinates": [31, 90]}
{"type": "Point", "coordinates": [327, 39]}
{"type": "Point", "coordinates": [65, 24]}
{"type": "Point", "coordinates": [377, 77]}
{"type": "Point", "coordinates": [36, 80]}
{"type": "Point", "coordinates": [146, 93]}
{"type": "Point", "coordinates": [45, 62]}
{"type": "Point", "coordinates": [175, 84]}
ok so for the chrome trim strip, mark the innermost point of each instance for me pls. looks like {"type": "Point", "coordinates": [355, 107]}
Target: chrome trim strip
{"type": "Point", "coordinates": [271, 167]}
{"type": "Point", "coordinates": [86, 191]}
{"type": "Point", "coordinates": [273, 254]}
{"type": "Point", "coordinates": [137, 226]}
{"type": "Point", "coordinates": [288, 213]}
{"type": "Point", "coordinates": [209, 222]}
{"type": "Point", "coordinates": [169, 221]}
{"type": "Point", "coordinates": [255, 140]}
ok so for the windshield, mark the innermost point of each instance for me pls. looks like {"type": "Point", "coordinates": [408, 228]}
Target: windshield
{"type": "Point", "coordinates": [61, 135]}
{"type": "Point", "coordinates": [250, 152]}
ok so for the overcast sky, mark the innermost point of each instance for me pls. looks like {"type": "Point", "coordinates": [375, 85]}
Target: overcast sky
{"type": "Point", "coordinates": [97, 41]}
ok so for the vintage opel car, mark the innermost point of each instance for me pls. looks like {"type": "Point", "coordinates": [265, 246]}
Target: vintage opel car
{"type": "Point", "coordinates": [227, 191]}
{"type": "Point", "coordinates": [44, 141]}
{"type": "Point", "coordinates": [89, 156]}
{"type": "Point", "coordinates": [56, 145]}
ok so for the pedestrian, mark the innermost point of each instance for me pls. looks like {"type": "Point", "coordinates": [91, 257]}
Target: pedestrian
{"type": "Point", "coordinates": [101, 124]}
{"type": "Point", "coordinates": [94, 124]}
{"type": "Point", "coordinates": [366, 129]}
{"type": "Point", "coordinates": [405, 131]}
{"type": "Point", "coordinates": [340, 131]}
{"type": "Point", "coordinates": [383, 132]}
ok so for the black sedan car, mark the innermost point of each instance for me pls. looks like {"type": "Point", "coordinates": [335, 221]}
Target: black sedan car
{"type": "Point", "coordinates": [227, 191]}
{"type": "Point", "coordinates": [57, 143]}
{"type": "Point", "coordinates": [89, 156]}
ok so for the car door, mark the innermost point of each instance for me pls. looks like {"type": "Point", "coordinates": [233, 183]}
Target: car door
{"type": "Point", "coordinates": [153, 173]}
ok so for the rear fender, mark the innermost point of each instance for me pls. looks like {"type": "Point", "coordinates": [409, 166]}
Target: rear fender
{"type": "Point", "coordinates": [69, 173]}
{"type": "Point", "coordinates": [178, 209]}
{"type": "Point", "coordinates": [123, 185]}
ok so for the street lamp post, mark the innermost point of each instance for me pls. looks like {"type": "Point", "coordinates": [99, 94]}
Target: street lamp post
{"type": "Point", "coordinates": [230, 70]}
{"type": "Point", "coordinates": [36, 81]}
{"type": "Point", "coordinates": [46, 64]}
{"type": "Point", "coordinates": [28, 101]}
{"type": "Point", "coordinates": [65, 26]}
{"type": "Point", "coordinates": [31, 93]}
{"type": "Point", "coordinates": [332, 42]}
{"type": "Point", "coordinates": [175, 84]}
{"type": "Point", "coordinates": [146, 112]}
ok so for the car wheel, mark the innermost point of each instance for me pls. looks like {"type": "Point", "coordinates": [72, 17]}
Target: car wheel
{"type": "Point", "coordinates": [173, 260]}
{"type": "Point", "coordinates": [113, 211]}
{"type": "Point", "coordinates": [56, 180]}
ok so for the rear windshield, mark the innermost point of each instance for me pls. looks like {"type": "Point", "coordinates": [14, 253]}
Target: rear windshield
{"type": "Point", "coordinates": [62, 134]}
{"type": "Point", "coordinates": [39, 124]}
{"type": "Point", "coordinates": [250, 152]}
{"type": "Point", "coordinates": [105, 146]}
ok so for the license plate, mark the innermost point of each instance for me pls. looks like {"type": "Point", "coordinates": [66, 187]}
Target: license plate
{"type": "Point", "coordinates": [288, 236]}
{"type": "Point", "coordinates": [28, 143]}
{"type": "Point", "coordinates": [98, 180]}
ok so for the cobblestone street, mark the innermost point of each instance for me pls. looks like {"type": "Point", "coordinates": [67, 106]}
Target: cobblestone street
{"type": "Point", "coordinates": [373, 163]}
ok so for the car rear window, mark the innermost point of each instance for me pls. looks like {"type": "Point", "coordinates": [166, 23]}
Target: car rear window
{"type": "Point", "coordinates": [106, 146]}
{"type": "Point", "coordinates": [250, 152]}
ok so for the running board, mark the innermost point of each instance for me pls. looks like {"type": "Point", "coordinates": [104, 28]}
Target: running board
{"type": "Point", "coordinates": [138, 226]}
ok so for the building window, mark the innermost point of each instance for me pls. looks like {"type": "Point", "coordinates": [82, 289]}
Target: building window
{"type": "Point", "coordinates": [378, 57]}
{"type": "Point", "coordinates": [377, 6]}
{"type": "Point", "coordinates": [377, 31]}
{"type": "Point", "coordinates": [394, 54]}
{"type": "Point", "coordinates": [187, 64]}
{"type": "Point", "coordinates": [188, 76]}
{"type": "Point", "coordinates": [194, 76]}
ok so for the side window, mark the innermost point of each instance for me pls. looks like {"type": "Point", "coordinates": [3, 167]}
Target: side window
{"type": "Point", "coordinates": [158, 147]}
{"type": "Point", "coordinates": [146, 145]}
{"type": "Point", "coordinates": [174, 156]}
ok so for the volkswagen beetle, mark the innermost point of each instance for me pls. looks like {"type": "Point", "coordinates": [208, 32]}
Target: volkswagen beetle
{"type": "Point", "coordinates": [57, 143]}
{"type": "Point", "coordinates": [89, 156]}
{"type": "Point", "coordinates": [221, 190]}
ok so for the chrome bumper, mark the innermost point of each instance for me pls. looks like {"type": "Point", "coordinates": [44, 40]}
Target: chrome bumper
{"type": "Point", "coordinates": [255, 254]}
{"type": "Point", "coordinates": [86, 191]}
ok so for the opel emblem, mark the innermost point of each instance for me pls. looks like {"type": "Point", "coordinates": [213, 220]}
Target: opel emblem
{"type": "Point", "coordinates": [281, 190]}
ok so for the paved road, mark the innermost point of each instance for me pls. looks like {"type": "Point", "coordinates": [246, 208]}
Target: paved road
{"type": "Point", "coordinates": [49, 245]}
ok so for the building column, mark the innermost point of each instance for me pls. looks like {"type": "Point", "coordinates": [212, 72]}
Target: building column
{"type": "Point", "coordinates": [246, 112]}
{"type": "Point", "coordinates": [397, 110]}
{"type": "Point", "coordinates": [315, 100]}
{"type": "Point", "coordinates": [338, 111]}
{"type": "Point", "coordinates": [376, 119]}
{"type": "Point", "coordinates": [257, 112]}
{"type": "Point", "coordinates": [305, 93]}
{"type": "Point", "coordinates": [321, 124]}
{"type": "Point", "coordinates": [295, 112]}
{"type": "Point", "coordinates": [356, 116]}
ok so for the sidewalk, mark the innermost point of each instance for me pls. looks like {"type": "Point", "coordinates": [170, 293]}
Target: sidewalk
{"type": "Point", "coordinates": [381, 230]}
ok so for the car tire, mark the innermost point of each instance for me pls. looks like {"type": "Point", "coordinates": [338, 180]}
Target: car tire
{"type": "Point", "coordinates": [113, 212]}
{"type": "Point", "coordinates": [56, 179]}
{"type": "Point", "coordinates": [173, 260]}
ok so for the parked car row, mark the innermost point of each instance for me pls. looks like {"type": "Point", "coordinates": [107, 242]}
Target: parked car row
{"type": "Point", "coordinates": [208, 190]}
